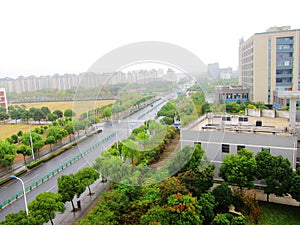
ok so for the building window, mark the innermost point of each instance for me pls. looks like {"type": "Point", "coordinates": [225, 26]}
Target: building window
{"type": "Point", "coordinates": [225, 148]}
{"type": "Point", "coordinates": [239, 147]}
{"type": "Point", "coordinates": [265, 149]}
{"type": "Point", "coordinates": [243, 119]}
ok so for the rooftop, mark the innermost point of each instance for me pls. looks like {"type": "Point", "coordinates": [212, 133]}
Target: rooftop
{"type": "Point", "coordinates": [245, 124]}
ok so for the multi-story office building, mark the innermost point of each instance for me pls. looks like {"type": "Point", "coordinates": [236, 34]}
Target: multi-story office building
{"type": "Point", "coordinates": [269, 63]}
{"type": "Point", "coordinates": [3, 100]}
{"type": "Point", "coordinates": [226, 94]}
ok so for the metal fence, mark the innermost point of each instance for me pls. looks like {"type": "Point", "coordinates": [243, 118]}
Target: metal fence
{"type": "Point", "coordinates": [53, 172]}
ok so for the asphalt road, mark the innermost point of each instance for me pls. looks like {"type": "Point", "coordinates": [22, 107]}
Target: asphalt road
{"type": "Point", "coordinates": [123, 129]}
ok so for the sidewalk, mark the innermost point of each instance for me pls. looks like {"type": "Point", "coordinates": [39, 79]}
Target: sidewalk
{"type": "Point", "coordinates": [19, 166]}
{"type": "Point", "coordinates": [87, 202]}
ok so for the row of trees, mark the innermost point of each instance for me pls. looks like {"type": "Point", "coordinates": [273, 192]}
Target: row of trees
{"type": "Point", "coordinates": [184, 109]}
{"type": "Point", "coordinates": [183, 198]}
{"type": "Point", "coordinates": [26, 142]}
{"type": "Point", "coordinates": [37, 114]}
{"type": "Point", "coordinates": [43, 208]}
{"type": "Point", "coordinates": [276, 172]}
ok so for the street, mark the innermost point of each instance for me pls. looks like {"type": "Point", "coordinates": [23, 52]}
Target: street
{"type": "Point", "coordinates": [122, 128]}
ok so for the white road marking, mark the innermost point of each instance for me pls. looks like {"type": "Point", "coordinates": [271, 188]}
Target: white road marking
{"type": "Point", "coordinates": [51, 188]}
{"type": "Point", "coordinates": [32, 178]}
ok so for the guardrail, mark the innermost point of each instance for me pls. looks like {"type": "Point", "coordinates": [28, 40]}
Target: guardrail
{"type": "Point", "coordinates": [52, 173]}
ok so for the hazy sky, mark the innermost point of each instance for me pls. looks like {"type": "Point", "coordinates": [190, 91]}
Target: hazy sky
{"type": "Point", "coordinates": [68, 36]}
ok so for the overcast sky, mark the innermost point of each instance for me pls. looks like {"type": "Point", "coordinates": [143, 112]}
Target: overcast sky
{"type": "Point", "coordinates": [68, 36]}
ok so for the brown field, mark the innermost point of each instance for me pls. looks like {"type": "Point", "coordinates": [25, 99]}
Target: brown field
{"type": "Point", "coordinates": [78, 106]}
{"type": "Point", "coordinates": [6, 130]}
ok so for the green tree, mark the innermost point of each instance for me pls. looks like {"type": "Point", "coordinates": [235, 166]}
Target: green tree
{"type": "Point", "coordinates": [57, 132]}
{"type": "Point", "coordinates": [37, 140]}
{"type": "Point", "coordinates": [169, 187]}
{"type": "Point", "coordinates": [59, 113]}
{"type": "Point", "coordinates": [46, 204]}
{"type": "Point", "coordinates": [239, 169]}
{"type": "Point", "coordinates": [69, 186]}
{"type": "Point", "coordinates": [20, 133]}
{"type": "Point", "coordinates": [38, 115]}
{"type": "Point", "coordinates": [295, 187]}
{"type": "Point", "coordinates": [24, 150]}
{"type": "Point", "coordinates": [198, 180]}
{"type": "Point", "coordinates": [233, 107]}
{"type": "Point", "coordinates": [26, 115]}
{"type": "Point", "coordinates": [87, 176]}
{"type": "Point", "coordinates": [223, 196]}
{"type": "Point", "coordinates": [3, 116]}
{"type": "Point", "coordinates": [50, 140]}
{"type": "Point", "coordinates": [69, 113]}
{"type": "Point", "coordinates": [130, 150]}
{"type": "Point", "coordinates": [107, 112]}
{"type": "Point", "coordinates": [14, 138]}
{"type": "Point", "coordinates": [7, 153]}
{"type": "Point", "coordinates": [280, 181]}
{"type": "Point", "coordinates": [221, 219]}
{"type": "Point", "coordinates": [51, 117]}
{"type": "Point", "coordinates": [15, 115]}
{"type": "Point", "coordinates": [70, 129]}
{"type": "Point", "coordinates": [20, 218]}
{"type": "Point", "coordinates": [207, 203]}
{"type": "Point", "coordinates": [276, 171]}
{"type": "Point", "coordinates": [45, 110]}
{"type": "Point", "coordinates": [180, 209]}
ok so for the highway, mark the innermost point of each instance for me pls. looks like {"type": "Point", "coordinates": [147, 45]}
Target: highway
{"type": "Point", "coordinates": [122, 128]}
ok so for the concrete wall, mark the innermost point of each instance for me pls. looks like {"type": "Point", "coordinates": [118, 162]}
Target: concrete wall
{"type": "Point", "coordinates": [283, 114]}
{"type": "Point", "coordinates": [268, 113]}
{"type": "Point", "coordinates": [253, 112]}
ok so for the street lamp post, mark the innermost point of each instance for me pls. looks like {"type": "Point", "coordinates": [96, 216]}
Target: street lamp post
{"type": "Point", "coordinates": [31, 144]}
{"type": "Point", "coordinates": [25, 200]}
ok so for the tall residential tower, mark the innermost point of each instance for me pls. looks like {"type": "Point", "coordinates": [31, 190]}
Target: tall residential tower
{"type": "Point", "coordinates": [268, 63]}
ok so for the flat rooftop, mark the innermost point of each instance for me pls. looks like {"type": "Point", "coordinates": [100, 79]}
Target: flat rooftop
{"type": "Point", "coordinates": [245, 124]}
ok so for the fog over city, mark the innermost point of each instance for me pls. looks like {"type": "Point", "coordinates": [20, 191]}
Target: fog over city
{"type": "Point", "coordinates": [59, 37]}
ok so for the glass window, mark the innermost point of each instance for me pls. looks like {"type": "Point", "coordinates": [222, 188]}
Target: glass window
{"type": "Point", "coordinates": [265, 149]}
{"type": "Point", "coordinates": [225, 148]}
{"type": "Point", "coordinates": [239, 147]}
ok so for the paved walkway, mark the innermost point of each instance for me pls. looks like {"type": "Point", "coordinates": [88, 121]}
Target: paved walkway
{"type": "Point", "coordinates": [87, 202]}
{"type": "Point", "coordinates": [19, 166]}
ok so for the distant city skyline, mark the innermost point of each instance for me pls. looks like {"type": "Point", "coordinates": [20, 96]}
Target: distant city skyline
{"type": "Point", "coordinates": [63, 37]}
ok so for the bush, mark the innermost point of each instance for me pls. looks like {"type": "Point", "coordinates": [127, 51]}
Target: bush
{"type": "Point", "coordinates": [34, 164]}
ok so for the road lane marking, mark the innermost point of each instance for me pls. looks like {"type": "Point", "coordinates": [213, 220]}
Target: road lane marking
{"type": "Point", "coordinates": [32, 178]}
{"type": "Point", "coordinates": [49, 190]}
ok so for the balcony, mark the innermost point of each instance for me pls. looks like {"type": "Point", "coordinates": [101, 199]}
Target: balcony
{"type": "Point", "coordinates": [290, 67]}
{"type": "Point", "coordinates": [286, 84]}
{"type": "Point", "coordinates": [288, 75]}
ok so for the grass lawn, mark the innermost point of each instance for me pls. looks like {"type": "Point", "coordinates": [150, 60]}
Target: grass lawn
{"type": "Point", "coordinates": [6, 130]}
{"type": "Point", "coordinates": [78, 106]}
{"type": "Point", "coordinates": [277, 214]}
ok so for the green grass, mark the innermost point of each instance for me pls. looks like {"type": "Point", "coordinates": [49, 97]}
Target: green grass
{"type": "Point", "coordinates": [277, 214]}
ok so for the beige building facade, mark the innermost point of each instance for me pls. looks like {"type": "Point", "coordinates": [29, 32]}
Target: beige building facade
{"type": "Point", "coordinates": [268, 63]}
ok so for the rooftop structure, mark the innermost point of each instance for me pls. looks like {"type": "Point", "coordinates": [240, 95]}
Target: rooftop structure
{"type": "Point", "coordinates": [220, 135]}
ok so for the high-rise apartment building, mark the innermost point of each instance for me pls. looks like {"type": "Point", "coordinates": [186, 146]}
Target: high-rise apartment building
{"type": "Point", "coordinates": [3, 99]}
{"type": "Point", "coordinates": [268, 63]}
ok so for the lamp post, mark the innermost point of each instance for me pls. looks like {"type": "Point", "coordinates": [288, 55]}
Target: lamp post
{"type": "Point", "coordinates": [31, 144]}
{"type": "Point", "coordinates": [25, 200]}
